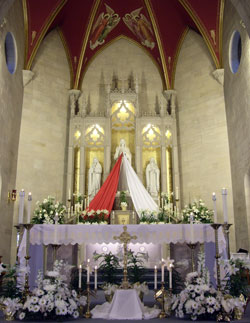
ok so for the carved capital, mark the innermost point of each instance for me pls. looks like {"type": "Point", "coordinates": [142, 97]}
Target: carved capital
{"type": "Point", "coordinates": [28, 76]}
{"type": "Point", "coordinates": [218, 74]}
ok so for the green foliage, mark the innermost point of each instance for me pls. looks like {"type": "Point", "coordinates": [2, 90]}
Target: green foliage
{"type": "Point", "coordinates": [123, 196]}
{"type": "Point", "coordinates": [237, 283]}
{"type": "Point", "coordinates": [8, 287]}
{"type": "Point", "coordinates": [136, 267]}
{"type": "Point", "coordinates": [108, 266]}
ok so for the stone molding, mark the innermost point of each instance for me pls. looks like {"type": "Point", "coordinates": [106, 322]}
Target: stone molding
{"type": "Point", "coordinates": [218, 75]}
{"type": "Point", "coordinates": [28, 76]}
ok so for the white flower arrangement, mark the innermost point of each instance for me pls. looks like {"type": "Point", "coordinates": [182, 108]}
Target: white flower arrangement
{"type": "Point", "coordinates": [109, 289]}
{"type": "Point", "coordinates": [50, 299]}
{"type": "Point", "coordinates": [200, 299]}
{"type": "Point", "coordinates": [199, 211]}
{"type": "Point", "coordinates": [141, 288]}
{"type": "Point", "coordinates": [47, 210]}
{"type": "Point", "coordinates": [124, 204]}
{"type": "Point", "coordinates": [94, 217]}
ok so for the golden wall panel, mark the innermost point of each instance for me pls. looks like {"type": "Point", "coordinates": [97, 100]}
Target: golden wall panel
{"type": "Point", "coordinates": [129, 137]}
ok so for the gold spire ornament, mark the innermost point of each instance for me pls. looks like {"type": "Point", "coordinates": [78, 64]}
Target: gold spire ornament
{"type": "Point", "coordinates": [125, 238]}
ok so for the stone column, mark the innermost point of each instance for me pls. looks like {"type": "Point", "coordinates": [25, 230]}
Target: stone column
{"type": "Point", "coordinates": [73, 99]}
{"type": "Point", "coordinates": [138, 150]}
{"type": "Point", "coordinates": [163, 168]}
{"type": "Point", "coordinates": [70, 169]}
{"type": "Point", "coordinates": [82, 170]}
{"type": "Point", "coordinates": [107, 149]}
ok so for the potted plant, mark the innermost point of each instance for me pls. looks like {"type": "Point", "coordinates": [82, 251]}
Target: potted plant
{"type": "Point", "coordinates": [123, 200]}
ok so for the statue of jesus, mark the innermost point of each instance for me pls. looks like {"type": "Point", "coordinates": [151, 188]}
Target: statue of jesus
{"type": "Point", "coordinates": [122, 148]}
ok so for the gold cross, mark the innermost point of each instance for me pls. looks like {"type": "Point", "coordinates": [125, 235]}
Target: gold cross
{"type": "Point", "coordinates": [125, 238]}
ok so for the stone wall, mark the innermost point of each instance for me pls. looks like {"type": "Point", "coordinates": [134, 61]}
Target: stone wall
{"type": "Point", "coordinates": [202, 130]}
{"type": "Point", "coordinates": [44, 128]}
{"type": "Point", "coordinates": [237, 100]}
{"type": "Point", "coordinates": [11, 97]}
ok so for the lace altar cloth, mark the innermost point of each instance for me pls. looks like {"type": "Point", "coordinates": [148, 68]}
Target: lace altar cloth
{"type": "Point", "coordinates": [125, 305]}
{"type": "Point", "coordinates": [146, 233]}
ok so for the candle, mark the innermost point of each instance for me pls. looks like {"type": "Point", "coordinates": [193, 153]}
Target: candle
{"type": "Point", "coordinates": [162, 270]}
{"type": "Point", "coordinates": [177, 193]}
{"type": "Point", "coordinates": [88, 270]}
{"type": "Point", "coordinates": [88, 201]}
{"type": "Point", "coordinates": [155, 278]}
{"type": "Point", "coordinates": [29, 207]}
{"type": "Point", "coordinates": [80, 277]}
{"type": "Point", "coordinates": [215, 210]}
{"type": "Point", "coordinates": [85, 203]}
{"type": "Point", "coordinates": [69, 194]}
{"type": "Point", "coordinates": [170, 276]}
{"type": "Point", "coordinates": [21, 206]}
{"type": "Point", "coordinates": [192, 227]}
{"type": "Point", "coordinates": [224, 201]}
{"type": "Point", "coordinates": [95, 277]}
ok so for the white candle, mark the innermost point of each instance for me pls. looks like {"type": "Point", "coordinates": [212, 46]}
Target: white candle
{"type": "Point", "coordinates": [155, 278]}
{"type": "Point", "coordinates": [29, 207]}
{"type": "Point", "coordinates": [21, 206]}
{"type": "Point", "coordinates": [170, 276]}
{"type": "Point", "coordinates": [162, 270]}
{"type": "Point", "coordinates": [88, 270]}
{"type": "Point", "coordinates": [95, 277]}
{"type": "Point", "coordinates": [224, 201]}
{"type": "Point", "coordinates": [88, 201]}
{"type": "Point", "coordinates": [192, 227]}
{"type": "Point", "coordinates": [69, 194]}
{"type": "Point", "coordinates": [85, 203]}
{"type": "Point", "coordinates": [177, 193]}
{"type": "Point", "coordinates": [215, 209]}
{"type": "Point", "coordinates": [80, 277]}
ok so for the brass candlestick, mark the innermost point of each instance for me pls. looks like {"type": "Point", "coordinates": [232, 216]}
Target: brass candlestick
{"type": "Point", "coordinates": [192, 247]}
{"type": "Point", "coordinates": [19, 229]}
{"type": "Point", "coordinates": [216, 226]}
{"type": "Point", "coordinates": [226, 230]}
{"type": "Point", "coordinates": [88, 292]}
{"type": "Point", "coordinates": [159, 296]}
{"type": "Point", "coordinates": [26, 290]}
{"type": "Point", "coordinates": [125, 238]}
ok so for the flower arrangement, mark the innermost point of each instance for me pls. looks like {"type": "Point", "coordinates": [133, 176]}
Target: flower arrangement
{"type": "Point", "coordinates": [148, 217]}
{"type": "Point", "coordinates": [124, 204]}
{"type": "Point", "coordinates": [136, 267]}
{"type": "Point", "coordinates": [94, 217]}
{"type": "Point", "coordinates": [141, 288]}
{"type": "Point", "coordinates": [200, 300]}
{"type": "Point", "coordinates": [200, 212]}
{"type": "Point", "coordinates": [52, 297]}
{"type": "Point", "coordinates": [109, 266]}
{"type": "Point", "coordinates": [46, 212]}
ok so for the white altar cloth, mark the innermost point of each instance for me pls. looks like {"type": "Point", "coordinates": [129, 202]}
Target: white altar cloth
{"type": "Point", "coordinates": [146, 233]}
{"type": "Point", "coordinates": [125, 305]}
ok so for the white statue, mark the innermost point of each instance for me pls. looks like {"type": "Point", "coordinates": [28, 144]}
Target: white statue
{"type": "Point", "coordinates": [152, 177]}
{"type": "Point", "coordinates": [95, 173]}
{"type": "Point", "coordinates": [122, 148]}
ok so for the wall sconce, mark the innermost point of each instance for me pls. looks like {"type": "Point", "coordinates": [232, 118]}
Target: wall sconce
{"type": "Point", "coordinates": [12, 196]}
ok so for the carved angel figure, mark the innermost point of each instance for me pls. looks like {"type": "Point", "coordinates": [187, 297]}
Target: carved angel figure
{"type": "Point", "coordinates": [140, 27]}
{"type": "Point", "coordinates": [104, 24]}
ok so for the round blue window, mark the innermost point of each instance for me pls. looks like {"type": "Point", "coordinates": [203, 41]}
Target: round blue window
{"type": "Point", "coordinates": [235, 51]}
{"type": "Point", "coordinates": [10, 52]}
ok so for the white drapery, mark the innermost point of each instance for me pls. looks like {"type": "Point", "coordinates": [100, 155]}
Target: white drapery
{"type": "Point", "coordinates": [142, 200]}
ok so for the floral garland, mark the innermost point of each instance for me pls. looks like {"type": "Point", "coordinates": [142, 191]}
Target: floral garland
{"type": "Point", "coordinates": [199, 211]}
{"type": "Point", "coordinates": [94, 217]}
{"type": "Point", "coordinates": [46, 212]}
{"type": "Point", "coordinates": [51, 299]}
{"type": "Point", "coordinates": [200, 300]}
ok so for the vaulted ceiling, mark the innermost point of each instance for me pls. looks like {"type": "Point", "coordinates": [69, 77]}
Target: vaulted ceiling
{"type": "Point", "coordinates": [86, 27]}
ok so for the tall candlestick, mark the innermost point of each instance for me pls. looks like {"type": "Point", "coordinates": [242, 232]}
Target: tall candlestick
{"type": "Point", "coordinates": [215, 210]}
{"type": "Point", "coordinates": [192, 227]}
{"type": "Point", "coordinates": [95, 277]}
{"type": "Point", "coordinates": [80, 277]}
{"type": "Point", "coordinates": [170, 276]}
{"type": "Point", "coordinates": [155, 278]}
{"type": "Point", "coordinates": [162, 270]}
{"type": "Point", "coordinates": [224, 201]}
{"type": "Point", "coordinates": [21, 206]}
{"type": "Point", "coordinates": [88, 270]}
{"type": "Point", "coordinates": [29, 207]}
{"type": "Point", "coordinates": [177, 193]}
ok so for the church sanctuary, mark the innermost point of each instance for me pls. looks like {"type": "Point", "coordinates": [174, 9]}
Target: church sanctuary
{"type": "Point", "coordinates": [125, 160]}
